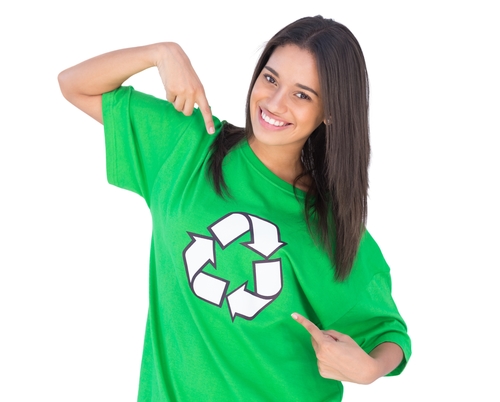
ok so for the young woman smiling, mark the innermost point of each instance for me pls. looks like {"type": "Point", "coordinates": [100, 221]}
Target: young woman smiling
{"type": "Point", "coordinates": [252, 224]}
{"type": "Point", "coordinates": [285, 108]}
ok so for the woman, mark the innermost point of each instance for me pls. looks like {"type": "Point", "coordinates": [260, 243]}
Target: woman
{"type": "Point", "coordinates": [251, 224]}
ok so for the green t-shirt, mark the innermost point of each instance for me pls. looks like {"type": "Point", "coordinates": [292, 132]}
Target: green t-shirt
{"type": "Point", "coordinates": [226, 273]}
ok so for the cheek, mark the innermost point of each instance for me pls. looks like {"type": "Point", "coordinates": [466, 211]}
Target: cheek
{"type": "Point", "coordinates": [254, 95]}
{"type": "Point", "coordinates": [252, 107]}
{"type": "Point", "coordinates": [311, 119]}
{"type": "Point", "coordinates": [310, 123]}
{"type": "Point", "coordinates": [253, 99]}
{"type": "Point", "coordinates": [318, 117]}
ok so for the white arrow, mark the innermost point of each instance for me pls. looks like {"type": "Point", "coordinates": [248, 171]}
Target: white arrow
{"type": "Point", "coordinates": [265, 240]}
{"type": "Point", "coordinates": [268, 279]}
{"type": "Point", "coordinates": [210, 288]}
{"type": "Point", "coordinates": [198, 254]}
{"type": "Point", "coordinates": [230, 228]}
{"type": "Point", "coordinates": [245, 303]}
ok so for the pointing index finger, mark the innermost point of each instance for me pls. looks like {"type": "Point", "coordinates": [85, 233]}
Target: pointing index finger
{"type": "Point", "coordinates": [315, 332]}
{"type": "Point", "coordinates": [206, 113]}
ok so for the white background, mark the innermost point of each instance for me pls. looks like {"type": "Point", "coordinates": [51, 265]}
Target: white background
{"type": "Point", "coordinates": [74, 250]}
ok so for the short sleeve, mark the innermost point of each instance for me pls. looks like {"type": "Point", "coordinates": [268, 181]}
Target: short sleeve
{"type": "Point", "coordinates": [141, 132]}
{"type": "Point", "coordinates": [379, 320]}
{"type": "Point", "coordinates": [374, 318]}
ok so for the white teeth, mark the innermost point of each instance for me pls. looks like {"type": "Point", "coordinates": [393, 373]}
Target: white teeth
{"type": "Point", "coordinates": [273, 122]}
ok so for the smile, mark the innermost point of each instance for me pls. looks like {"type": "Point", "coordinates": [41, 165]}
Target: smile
{"type": "Point", "coordinates": [271, 121]}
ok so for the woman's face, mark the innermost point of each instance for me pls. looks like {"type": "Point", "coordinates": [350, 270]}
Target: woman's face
{"type": "Point", "coordinates": [285, 103]}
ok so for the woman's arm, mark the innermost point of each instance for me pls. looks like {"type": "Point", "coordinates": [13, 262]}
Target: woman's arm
{"type": "Point", "coordinates": [84, 83]}
{"type": "Point", "coordinates": [388, 356]}
{"type": "Point", "coordinates": [341, 358]}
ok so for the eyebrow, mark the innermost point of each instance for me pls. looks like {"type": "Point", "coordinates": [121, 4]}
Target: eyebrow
{"type": "Point", "coordinates": [272, 70]}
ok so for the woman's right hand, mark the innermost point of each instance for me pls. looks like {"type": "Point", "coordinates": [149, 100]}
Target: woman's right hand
{"type": "Point", "coordinates": [182, 86]}
{"type": "Point", "coordinates": [84, 83]}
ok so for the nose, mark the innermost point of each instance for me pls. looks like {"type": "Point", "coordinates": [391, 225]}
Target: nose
{"type": "Point", "coordinates": [276, 102]}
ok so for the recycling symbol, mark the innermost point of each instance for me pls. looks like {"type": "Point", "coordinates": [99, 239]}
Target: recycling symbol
{"type": "Point", "coordinates": [267, 275]}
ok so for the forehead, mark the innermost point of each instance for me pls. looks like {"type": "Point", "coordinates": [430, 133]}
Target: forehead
{"type": "Point", "coordinates": [295, 63]}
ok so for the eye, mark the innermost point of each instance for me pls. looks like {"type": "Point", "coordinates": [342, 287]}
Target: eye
{"type": "Point", "coordinates": [302, 95]}
{"type": "Point", "coordinates": [270, 78]}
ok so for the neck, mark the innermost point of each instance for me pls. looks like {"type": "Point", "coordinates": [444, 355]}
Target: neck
{"type": "Point", "coordinates": [284, 163]}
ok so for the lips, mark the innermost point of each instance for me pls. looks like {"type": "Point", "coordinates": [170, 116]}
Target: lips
{"type": "Point", "coordinates": [271, 120]}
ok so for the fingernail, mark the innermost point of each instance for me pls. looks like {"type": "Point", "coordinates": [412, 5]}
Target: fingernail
{"type": "Point", "coordinates": [295, 316]}
{"type": "Point", "coordinates": [211, 130]}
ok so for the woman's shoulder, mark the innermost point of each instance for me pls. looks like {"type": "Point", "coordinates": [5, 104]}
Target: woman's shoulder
{"type": "Point", "coordinates": [150, 109]}
{"type": "Point", "coordinates": [369, 260]}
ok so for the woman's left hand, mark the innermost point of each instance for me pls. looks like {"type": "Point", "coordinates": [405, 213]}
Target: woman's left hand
{"type": "Point", "coordinates": [339, 356]}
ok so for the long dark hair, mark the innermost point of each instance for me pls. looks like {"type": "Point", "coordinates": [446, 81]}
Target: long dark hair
{"type": "Point", "coordinates": [336, 155]}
